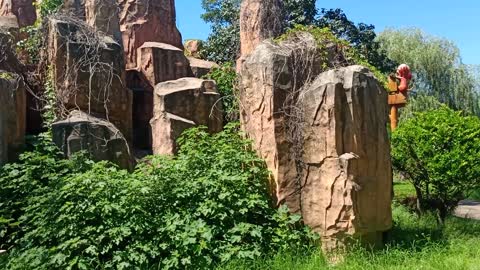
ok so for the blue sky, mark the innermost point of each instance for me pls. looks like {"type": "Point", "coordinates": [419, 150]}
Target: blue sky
{"type": "Point", "coordinates": [458, 20]}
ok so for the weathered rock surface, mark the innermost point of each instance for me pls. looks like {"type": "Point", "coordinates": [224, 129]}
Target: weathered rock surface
{"type": "Point", "coordinates": [23, 10]}
{"type": "Point", "coordinates": [346, 189]}
{"type": "Point", "coordinates": [181, 104]}
{"type": "Point", "coordinates": [161, 62]}
{"type": "Point", "coordinates": [97, 137]}
{"type": "Point", "coordinates": [12, 116]}
{"type": "Point", "coordinates": [270, 74]}
{"type": "Point", "coordinates": [8, 59]}
{"type": "Point", "coordinates": [89, 74]}
{"type": "Point", "coordinates": [201, 67]}
{"type": "Point", "coordinates": [259, 20]}
{"type": "Point", "coordinates": [193, 47]}
{"type": "Point", "coordinates": [325, 142]}
{"type": "Point", "coordinates": [147, 21]}
{"type": "Point", "coordinates": [102, 15]}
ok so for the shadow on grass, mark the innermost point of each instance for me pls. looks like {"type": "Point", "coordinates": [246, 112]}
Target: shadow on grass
{"type": "Point", "coordinates": [412, 232]}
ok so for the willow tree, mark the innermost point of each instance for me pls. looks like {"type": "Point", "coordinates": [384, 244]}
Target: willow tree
{"type": "Point", "coordinates": [438, 67]}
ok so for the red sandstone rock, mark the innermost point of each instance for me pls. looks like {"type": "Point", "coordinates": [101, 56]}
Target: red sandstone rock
{"type": "Point", "coordinates": [182, 104]}
{"type": "Point", "coordinates": [161, 62]}
{"type": "Point", "coordinates": [89, 74]}
{"type": "Point", "coordinates": [147, 21]}
{"type": "Point", "coordinates": [259, 20]}
{"type": "Point", "coordinates": [23, 10]}
{"type": "Point", "coordinates": [12, 116]}
{"type": "Point", "coordinates": [328, 150]}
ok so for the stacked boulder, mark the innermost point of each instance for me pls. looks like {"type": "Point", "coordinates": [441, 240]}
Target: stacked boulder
{"type": "Point", "coordinates": [107, 57]}
{"type": "Point", "coordinates": [13, 100]}
{"type": "Point", "coordinates": [323, 135]}
{"type": "Point", "coordinates": [87, 66]}
{"type": "Point", "coordinates": [155, 55]}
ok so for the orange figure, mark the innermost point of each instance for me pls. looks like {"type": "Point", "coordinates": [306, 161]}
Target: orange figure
{"type": "Point", "coordinates": [398, 85]}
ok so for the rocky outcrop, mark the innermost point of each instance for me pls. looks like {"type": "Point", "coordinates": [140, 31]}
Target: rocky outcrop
{"type": "Point", "coordinates": [259, 20]}
{"type": "Point", "coordinates": [272, 73]}
{"type": "Point", "coordinates": [22, 10]}
{"type": "Point", "coordinates": [88, 71]}
{"type": "Point", "coordinates": [328, 150]}
{"type": "Point", "coordinates": [182, 104]}
{"type": "Point", "coordinates": [12, 116]}
{"type": "Point", "coordinates": [201, 67]}
{"type": "Point", "coordinates": [147, 21]}
{"type": "Point", "coordinates": [160, 62]}
{"type": "Point", "coordinates": [347, 183]}
{"type": "Point", "coordinates": [100, 139]}
{"type": "Point", "coordinates": [102, 15]}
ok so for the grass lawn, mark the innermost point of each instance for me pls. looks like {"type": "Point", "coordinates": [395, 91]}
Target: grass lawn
{"type": "Point", "coordinates": [416, 243]}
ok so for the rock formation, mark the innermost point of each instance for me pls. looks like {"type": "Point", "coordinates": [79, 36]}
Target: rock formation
{"type": "Point", "coordinates": [259, 20]}
{"type": "Point", "coordinates": [347, 183]}
{"type": "Point", "coordinates": [88, 71]}
{"type": "Point", "coordinates": [201, 67]}
{"type": "Point", "coordinates": [102, 15]}
{"type": "Point", "coordinates": [324, 140]}
{"type": "Point", "coordinates": [147, 21]}
{"type": "Point", "coordinates": [182, 104]}
{"type": "Point", "coordinates": [12, 116]}
{"type": "Point", "coordinates": [161, 62]}
{"type": "Point", "coordinates": [22, 10]}
{"type": "Point", "coordinates": [97, 137]}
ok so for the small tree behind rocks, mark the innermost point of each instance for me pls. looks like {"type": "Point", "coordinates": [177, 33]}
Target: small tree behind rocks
{"type": "Point", "coordinates": [439, 152]}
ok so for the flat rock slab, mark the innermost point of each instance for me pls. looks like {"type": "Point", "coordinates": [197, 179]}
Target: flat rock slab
{"type": "Point", "coordinates": [468, 209]}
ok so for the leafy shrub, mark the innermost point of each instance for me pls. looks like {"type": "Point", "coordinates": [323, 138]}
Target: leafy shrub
{"type": "Point", "coordinates": [209, 204]}
{"type": "Point", "coordinates": [36, 171]}
{"type": "Point", "coordinates": [439, 152]}
{"type": "Point", "coordinates": [226, 78]}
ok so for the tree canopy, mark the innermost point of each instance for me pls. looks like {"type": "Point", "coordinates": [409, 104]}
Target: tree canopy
{"type": "Point", "coordinates": [437, 65]}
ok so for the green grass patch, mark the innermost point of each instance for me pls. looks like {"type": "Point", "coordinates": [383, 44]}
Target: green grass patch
{"type": "Point", "coordinates": [403, 190]}
{"type": "Point", "coordinates": [414, 244]}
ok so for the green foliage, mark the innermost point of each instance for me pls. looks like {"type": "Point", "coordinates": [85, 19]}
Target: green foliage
{"type": "Point", "coordinates": [207, 205]}
{"type": "Point", "coordinates": [49, 7]}
{"type": "Point", "coordinates": [361, 37]}
{"type": "Point", "coordinates": [437, 67]}
{"type": "Point", "coordinates": [414, 243]}
{"type": "Point", "coordinates": [300, 12]}
{"type": "Point", "coordinates": [32, 44]}
{"type": "Point", "coordinates": [324, 36]}
{"type": "Point", "coordinates": [36, 171]}
{"type": "Point", "coordinates": [226, 78]}
{"type": "Point", "coordinates": [438, 151]}
{"type": "Point", "coordinates": [223, 44]}
{"type": "Point", "coordinates": [49, 115]}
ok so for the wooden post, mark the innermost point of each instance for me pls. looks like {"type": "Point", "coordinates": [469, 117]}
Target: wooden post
{"type": "Point", "coordinates": [393, 117]}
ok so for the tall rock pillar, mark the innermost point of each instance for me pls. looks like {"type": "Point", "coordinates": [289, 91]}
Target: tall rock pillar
{"type": "Point", "coordinates": [259, 20]}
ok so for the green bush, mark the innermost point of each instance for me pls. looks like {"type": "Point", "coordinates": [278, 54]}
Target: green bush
{"type": "Point", "coordinates": [439, 152]}
{"type": "Point", "coordinates": [207, 205]}
{"type": "Point", "coordinates": [226, 78]}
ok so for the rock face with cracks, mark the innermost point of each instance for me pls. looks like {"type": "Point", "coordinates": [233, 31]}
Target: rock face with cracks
{"type": "Point", "coordinates": [147, 21]}
{"type": "Point", "coordinates": [182, 104]}
{"type": "Point", "coordinates": [259, 20]}
{"type": "Point", "coordinates": [100, 139]}
{"type": "Point", "coordinates": [12, 116]}
{"type": "Point", "coordinates": [347, 178]}
{"type": "Point", "coordinates": [88, 72]}
{"type": "Point", "coordinates": [323, 135]}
